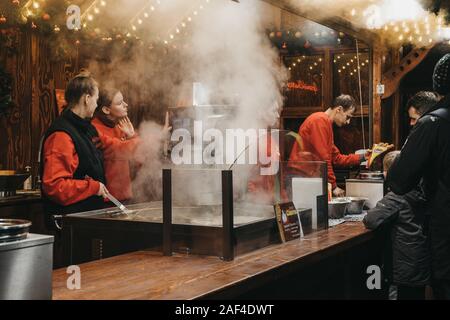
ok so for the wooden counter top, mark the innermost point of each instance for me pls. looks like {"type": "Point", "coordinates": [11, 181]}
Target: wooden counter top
{"type": "Point", "coordinates": [149, 275]}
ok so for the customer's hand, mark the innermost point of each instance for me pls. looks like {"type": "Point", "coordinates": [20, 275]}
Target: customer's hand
{"type": "Point", "coordinates": [126, 127]}
{"type": "Point", "coordinates": [338, 192]}
{"type": "Point", "coordinates": [102, 191]}
{"type": "Point", "coordinates": [367, 154]}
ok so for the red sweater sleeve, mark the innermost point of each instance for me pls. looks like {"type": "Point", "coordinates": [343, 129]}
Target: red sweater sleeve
{"type": "Point", "coordinates": [60, 163]}
{"type": "Point", "coordinates": [340, 160]}
{"type": "Point", "coordinates": [321, 142]}
{"type": "Point", "coordinates": [118, 147]}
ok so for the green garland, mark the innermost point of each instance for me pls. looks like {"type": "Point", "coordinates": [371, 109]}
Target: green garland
{"type": "Point", "coordinates": [5, 91]}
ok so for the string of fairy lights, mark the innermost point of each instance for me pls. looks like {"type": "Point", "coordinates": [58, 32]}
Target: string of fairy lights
{"type": "Point", "coordinates": [425, 31]}
{"type": "Point", "coordinates": [133, 29]}
{"type": "Point", "coordinates": [344, 63]}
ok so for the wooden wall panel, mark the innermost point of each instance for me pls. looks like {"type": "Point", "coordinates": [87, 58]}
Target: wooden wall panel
{"type": "Point", "coordinates": [16, 131]}
{"type": "Point", "coordinates": [35, 76]}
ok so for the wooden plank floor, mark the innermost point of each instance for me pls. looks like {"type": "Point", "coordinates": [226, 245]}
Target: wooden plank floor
{"type": "Point", "coordinates": [149, 275]}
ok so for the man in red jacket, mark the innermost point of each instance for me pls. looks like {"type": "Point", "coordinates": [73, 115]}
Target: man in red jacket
{"type": "Point", "coordinates": [317, 136]}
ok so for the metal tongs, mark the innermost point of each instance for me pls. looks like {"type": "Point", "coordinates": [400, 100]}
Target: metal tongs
{"type": "Point", "coordinates": [117, 203]}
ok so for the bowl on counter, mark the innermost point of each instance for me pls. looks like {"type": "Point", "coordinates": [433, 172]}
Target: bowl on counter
{"type": "Point", "coordinates": [356, 205]}
{"type": "Point", "coordinates": [337, 207]}
{"type": "Point", "coordinates": [13, 229]}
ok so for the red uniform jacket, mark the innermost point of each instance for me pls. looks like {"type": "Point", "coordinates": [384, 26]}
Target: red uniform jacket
{"type": "Point", "coordinates": [317, 136]}
{"type": "Point", "coordinates": [61, 161]}
{"type": "Point", "coordinates": [116, 162]}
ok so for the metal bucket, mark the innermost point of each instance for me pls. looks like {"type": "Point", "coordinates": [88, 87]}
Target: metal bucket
{"type": "Point", "coordinates": [337, 208]}
{"type": "Point", "coordinates": [356, 206]}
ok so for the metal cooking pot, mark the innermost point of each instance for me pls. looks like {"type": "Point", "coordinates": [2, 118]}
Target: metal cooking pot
{"type": "Point", "coordinates": [13, 229]}
{"type": "Point", "coordinates": [337, 207]}
{"type": "Point", "coordinates": [371, 175]}
{"type": "Point", "coordinates": [356, 205]}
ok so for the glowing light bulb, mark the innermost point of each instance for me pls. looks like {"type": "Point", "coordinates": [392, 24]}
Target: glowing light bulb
{"type": "Point", "coordinates": [353, 12]}
{"type": "Point", "coordinates": [133, 27]}
{"type": "Point", "coordinates": [189, 19]}
{"type": "Point", "coordinates": [140, 21]}
{"type": "Point", "coordinates": [152, 8]}
{"type": "Point", "coordinates": [90, 17]}
{"type": "Point", "coordinates": [145, 14]}
{"type": "Point", "coordinates": [35, 5]}
{"type": "Point", "coordinates": [171, 36]}
{"type": "Point", "coordinates": [96, 10]}
{"type": "Point", "coordinates": [103, 3]}
{"type": "Point", "coordinates": [177, 31]}
{"type": "Point", "coordinates": [294, 64]}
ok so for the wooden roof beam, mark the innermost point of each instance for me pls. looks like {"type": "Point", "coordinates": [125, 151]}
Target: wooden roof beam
{"type": "Point", "coordinates": [336, 22]}
{"type": "Point", "coordinates": [391, 79]}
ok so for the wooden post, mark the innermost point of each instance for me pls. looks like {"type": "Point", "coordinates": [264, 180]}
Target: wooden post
{"type": "Point", "coordinates": [167, 212]}
{"type": "Point", "coordinates": [396, 105]}
{"type": "Point", "coordinates": [377, 62]}
{"type": "Point", "coordinates": [327, 91]}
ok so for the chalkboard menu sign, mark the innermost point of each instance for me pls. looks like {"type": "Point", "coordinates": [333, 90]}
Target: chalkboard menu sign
{"type": "Point", "coordinates": [288, 221]}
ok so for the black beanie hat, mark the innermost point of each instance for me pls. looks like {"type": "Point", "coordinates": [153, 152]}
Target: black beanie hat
{"type": "Point", "coordinates": [441, 76]}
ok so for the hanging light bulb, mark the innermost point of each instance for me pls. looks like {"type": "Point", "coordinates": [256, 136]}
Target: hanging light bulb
{"type": "Point", "coordinates": [103, 3]}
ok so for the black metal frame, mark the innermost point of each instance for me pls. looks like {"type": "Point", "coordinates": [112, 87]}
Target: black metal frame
{"type": "Point", "coordinates": [167, 212]}
{"type": "Point", "coordinates": [227, 214]}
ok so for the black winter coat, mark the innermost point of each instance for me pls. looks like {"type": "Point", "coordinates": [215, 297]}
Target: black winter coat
{"type": "Point", "coordinates": [426, 155]}
{"type": "Point", "coordinates": [405, 215]}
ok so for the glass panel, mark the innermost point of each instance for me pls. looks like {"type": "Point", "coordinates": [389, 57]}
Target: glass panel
{"type": "Point", "coordinates": [345, 75]}
{"type": "Point", "coordinates": [304, 88]}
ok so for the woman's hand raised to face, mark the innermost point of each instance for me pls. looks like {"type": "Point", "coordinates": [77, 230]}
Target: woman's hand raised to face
{"type": "Point", "coordinates": [126, 127]}
{"type": "Point", "coordinates": [166, 128]}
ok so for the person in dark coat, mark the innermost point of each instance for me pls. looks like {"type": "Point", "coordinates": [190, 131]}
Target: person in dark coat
{"type": "Point", "coordinates": [426, 155]}
{"type": "Point", "coordinates": [405, 216]}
